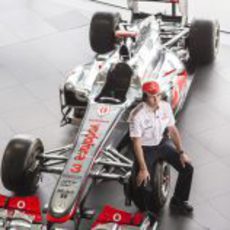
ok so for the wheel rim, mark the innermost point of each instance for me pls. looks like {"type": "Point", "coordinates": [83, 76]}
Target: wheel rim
{"type": "Point", "coordinates": [34, 164]}
{"type": "Point", "coordinates": [165, 180]}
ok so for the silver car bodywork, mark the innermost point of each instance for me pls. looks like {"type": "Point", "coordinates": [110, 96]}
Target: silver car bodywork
{"type": "Point", "coordinates": [104, 125]}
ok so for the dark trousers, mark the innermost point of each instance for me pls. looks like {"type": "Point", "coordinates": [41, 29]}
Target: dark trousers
{"type": "Point", "coordinates": [166, 152]}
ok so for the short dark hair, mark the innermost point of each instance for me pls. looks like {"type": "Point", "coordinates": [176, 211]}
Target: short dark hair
{"type": "Point", "coordinates": [144, 97]}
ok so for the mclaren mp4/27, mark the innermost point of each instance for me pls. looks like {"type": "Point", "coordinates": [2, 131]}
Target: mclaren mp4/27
{"type": "Point", "coordinates": [163, 48]}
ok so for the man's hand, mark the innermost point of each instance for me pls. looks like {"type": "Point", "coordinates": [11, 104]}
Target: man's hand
{"type": "Point", "coordinates": [143, 177]}
{"type": "Point", "coordinates": [184, 158]}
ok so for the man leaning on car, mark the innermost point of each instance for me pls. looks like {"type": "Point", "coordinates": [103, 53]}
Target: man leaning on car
{"type": "Point", "coordinates": [148, 122]}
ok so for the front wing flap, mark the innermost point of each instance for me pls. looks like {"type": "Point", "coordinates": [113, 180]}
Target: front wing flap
{"type": "Point", "coordinates": [112, 218]}
{"type": "Point", "coordinates": [20, 213]}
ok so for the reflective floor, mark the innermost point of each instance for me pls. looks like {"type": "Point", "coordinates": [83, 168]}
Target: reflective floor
{"type": "Point", "coordinates": [41, 40]}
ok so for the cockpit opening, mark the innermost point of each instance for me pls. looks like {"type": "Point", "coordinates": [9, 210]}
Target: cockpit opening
{"type": "Point", "coordinates": [117, 84]}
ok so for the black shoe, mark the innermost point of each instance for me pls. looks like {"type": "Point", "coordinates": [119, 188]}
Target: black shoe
{"type": "Point", "coordinates": [180, 206]}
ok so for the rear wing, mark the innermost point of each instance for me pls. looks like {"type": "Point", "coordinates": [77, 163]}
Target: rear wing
{"type": "Point", "coordinates": [181, 4]}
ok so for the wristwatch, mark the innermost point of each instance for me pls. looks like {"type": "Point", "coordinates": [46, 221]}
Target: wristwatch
{"type": "Point", "coordinates": [181, 152]}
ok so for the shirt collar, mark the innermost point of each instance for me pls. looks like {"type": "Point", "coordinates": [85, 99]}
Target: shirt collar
{"type": "Point", "coordinates": [149, 109]}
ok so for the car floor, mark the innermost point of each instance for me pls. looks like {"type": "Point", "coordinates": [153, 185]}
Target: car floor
{"type": "Point", "coordinates": [42, 40]}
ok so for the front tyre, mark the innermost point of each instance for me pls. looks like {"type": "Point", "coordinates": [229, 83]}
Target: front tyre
{"type": "Point", "coordinates": [20, 164]}
{"type": "Point", "coordinates": [203, 41]}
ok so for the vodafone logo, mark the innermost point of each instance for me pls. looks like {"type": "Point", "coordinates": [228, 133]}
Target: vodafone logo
{"type": "Point", "coordinates": [21, 204]}
{"type": "Point", "coordinates": [87, 144]}
{"type": "Point", "coordinates": [103, 110]}
{"type": "Point", "coordinates": [117, 217]}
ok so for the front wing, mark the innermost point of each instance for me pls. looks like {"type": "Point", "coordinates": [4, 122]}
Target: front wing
{"type": "Point", "coordinates": [22, 213]}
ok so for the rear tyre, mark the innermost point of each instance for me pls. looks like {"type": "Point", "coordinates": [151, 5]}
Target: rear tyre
{"type": "Point", "coordinates": [203, 41]}
{"type": "Point", "coordinates": [160, 183]}
{"type": "Point", "coordinates": [20, 164]}
{"type": "Point", "coordinates": [102, 31]}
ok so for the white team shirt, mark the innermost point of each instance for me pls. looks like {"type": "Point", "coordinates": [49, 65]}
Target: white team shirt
{"type": "Point", "coordinates": [149, 125]}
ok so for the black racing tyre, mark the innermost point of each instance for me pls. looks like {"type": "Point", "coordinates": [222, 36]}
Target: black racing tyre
{"type": "Point", "coordinates": [160, 184]}
{"type": "Point", "coordinates": [20, 166]}
{"type": "Point", "coordinates": [102, 31]}
{"type": "Point", "coordinates": [203, 41]}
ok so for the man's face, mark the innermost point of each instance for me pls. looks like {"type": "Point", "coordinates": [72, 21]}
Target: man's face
{"type": "Point", "coordinates": [153, 100]}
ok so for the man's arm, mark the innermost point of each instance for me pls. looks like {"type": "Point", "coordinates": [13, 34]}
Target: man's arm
{"type": "Point", "coordinates": [139, 153]}
{"type": "Point", "coordinates": [135, 132]}
{"type": "Point", "coordinates": [143, 174]}
{"type": "Point", "coordinates": [173, 131]}
{"type": "Point", "coordinates": [176, 138]}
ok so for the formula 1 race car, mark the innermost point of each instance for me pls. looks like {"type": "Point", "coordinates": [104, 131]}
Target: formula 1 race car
{"type": "Point", "coordinates": [102, 93]}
